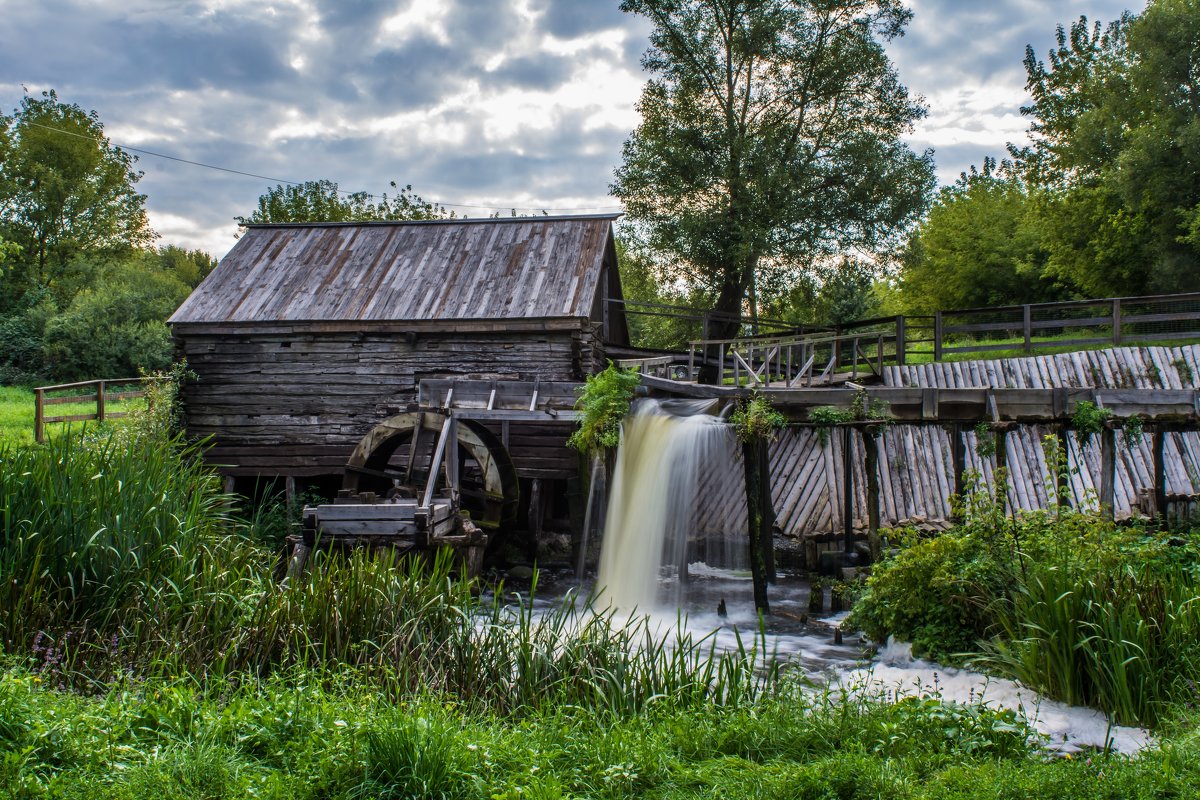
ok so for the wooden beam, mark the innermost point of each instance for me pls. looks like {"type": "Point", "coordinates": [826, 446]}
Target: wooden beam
{"type": "Point", "coordinates": [1160, 473]}
{"type": "Point", "coordinates": [1108, 472]}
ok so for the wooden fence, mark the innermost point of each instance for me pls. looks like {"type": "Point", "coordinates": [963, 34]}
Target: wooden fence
{"type": "Point", "coordinates": [1075, 325]}
{"type": "Point", "coordinates": [100, 393]}
{"type": "Point", "coordinates": [815, 356]}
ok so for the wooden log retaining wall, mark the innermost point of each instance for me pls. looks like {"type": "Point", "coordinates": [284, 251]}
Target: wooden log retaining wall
{"type": "Point", "coordinates": [916, 461]}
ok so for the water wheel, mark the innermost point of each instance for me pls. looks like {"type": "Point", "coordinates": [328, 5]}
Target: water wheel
{"type": "Point", "coordinates": [395, 457]}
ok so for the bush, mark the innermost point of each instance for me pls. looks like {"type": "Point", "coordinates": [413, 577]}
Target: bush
{"type": "Point", "coordinates": [117, 329]}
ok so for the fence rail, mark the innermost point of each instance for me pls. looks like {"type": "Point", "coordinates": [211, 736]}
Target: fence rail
{"type": "Point", "coordinates": [99, 392]}
{"type": "Point", "coordinates": [771, 355]}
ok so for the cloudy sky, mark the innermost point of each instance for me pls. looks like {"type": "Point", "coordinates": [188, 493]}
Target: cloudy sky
{"type": "Point", "coordinates": [479, 104]}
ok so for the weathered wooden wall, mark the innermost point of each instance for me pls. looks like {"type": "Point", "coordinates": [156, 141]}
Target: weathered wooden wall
{"type": "Point", "coordinates": [295, 403]}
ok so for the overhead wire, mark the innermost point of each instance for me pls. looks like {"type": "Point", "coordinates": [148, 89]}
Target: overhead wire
{"type": "Point", "coordinates": [143, 151]}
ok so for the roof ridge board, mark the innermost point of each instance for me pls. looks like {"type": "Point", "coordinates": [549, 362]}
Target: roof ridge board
{"type": "Point", "coordinates": [450, 221]}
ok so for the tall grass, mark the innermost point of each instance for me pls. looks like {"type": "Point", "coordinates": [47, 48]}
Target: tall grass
{"type": "Point", "coordinates": [119, 555]}
{"type": "Point", "coordinates": [1127, 642]}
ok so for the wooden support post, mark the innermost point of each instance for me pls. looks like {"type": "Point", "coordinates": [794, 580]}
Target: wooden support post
{"type": "Point", "coordinates": [847, 495]}
{"type": "Point", "coordinates": [958, 458]}
{"type": "Point", "coordinates": [452, 456]}
{"type": "Point", "coordinates": [39, 415]}
{"type": "Point", "coordinates": [229, 483]}
{"type": "Point", "coordinates": [1116, 322]}
{"type": "Point", "coordinates": [937, 336]}
{"type": "Point", "coordinates": [289, 493]}
{"type": "Point", "coordinates": [901, 339]}
{"type": "Point", "coordinates": [1001, 473]}
{"type": "Point", "coordinates": [100, 401]}
{"type": "Point", "coordinates": [1108, 472]}
{"type": "Point", "coordinates": [758, 508]}
{"type": "Point", "coordinates": [1027, 326]}
{"type": "Point", "coordinates": [1160, 474]}
{"type": "Point", "coordinates": [871, 444]}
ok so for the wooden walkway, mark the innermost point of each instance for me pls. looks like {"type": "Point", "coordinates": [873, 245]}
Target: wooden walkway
{"type": "Point", "coordinates": [916, 464]}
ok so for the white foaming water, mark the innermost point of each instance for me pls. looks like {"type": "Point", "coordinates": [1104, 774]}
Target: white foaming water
{"type": "Point", "coordinates": [651, 506]}
{"type": "Point", "coordinates": [1068, 729]}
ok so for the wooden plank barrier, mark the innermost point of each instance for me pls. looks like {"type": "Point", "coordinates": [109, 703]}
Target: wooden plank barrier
{"type": "Point", "coordinates": [97, 392]}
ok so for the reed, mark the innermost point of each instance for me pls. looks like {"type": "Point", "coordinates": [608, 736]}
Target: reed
{"type": "Point", "coordinates": [1124, 642]}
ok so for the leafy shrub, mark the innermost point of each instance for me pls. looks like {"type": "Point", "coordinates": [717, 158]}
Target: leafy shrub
{"type": "Point", "coordinates": [756, 419]}
{"type": "Point", "coordinates": [934, 594]}
{"type": "Point", "coordinates": [603, 403]}
{"type": "Point", "coordinates": [117, 329]}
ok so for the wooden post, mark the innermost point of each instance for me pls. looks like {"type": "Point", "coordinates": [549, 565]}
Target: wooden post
{"type": "Point", "coordinates": [1116, 322]}
{"type": "Point", "coordinates": [871, 445]}
{"type": "Point", "coordinates": [1027, 326]}
{"type": "Point", "coordinates": [847, 495]}
{"type": "Point", "coordinates": [901, 339]}
{"type": "Point", "coordinates": [39, 415]}
{"type": "Point", "coordinates": [100, 401]}
{"type": "Point", "coordinates": [758, 504]}
{"type": "Point", "coordinates": [1002, 464]}
{"type": "Point", "coordinates": [958, 457]}
{"type": "Point", "coordinates": [1108, 472]}
{"type": "Point", "coordinates": [937, 336]}
{"type": "Point", "coordinates": [1160, 474]}
{"type": "Point", "coordinates": [289, 492]}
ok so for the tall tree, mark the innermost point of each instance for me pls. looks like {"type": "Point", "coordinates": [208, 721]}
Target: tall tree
{"type": "Point", "coordinates": [65, 190]}
{"type": "Point", "coordinates": [770, 140]}
{"type": "Point", "coordinates": [979, 246]}
{"type": "Point", "coordinates": [1116, 149]}
{"type": "Point", "coordinates": [323, 201]}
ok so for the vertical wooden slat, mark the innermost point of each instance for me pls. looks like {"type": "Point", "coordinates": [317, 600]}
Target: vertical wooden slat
{"type": "Point", "coordinates": [100, 401]}
{"type": "Point", "coordinates": [1116, 322]}
{"type": "Point", "coordinates": [937, 336]}
{"type": "Point", "coordinates": [39, 414]}
{"type": "Point", "coordinates": [1027, 326]}
{"type": "Point", "coordinates": [871, 445]}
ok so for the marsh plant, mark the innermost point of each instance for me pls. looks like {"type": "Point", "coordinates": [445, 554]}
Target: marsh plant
{"type": "Point", "coordinates": [1072, 605]}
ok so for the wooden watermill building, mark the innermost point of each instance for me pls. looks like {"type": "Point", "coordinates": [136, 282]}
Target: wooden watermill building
{"type": "Point", "coordinates": [308, 335]}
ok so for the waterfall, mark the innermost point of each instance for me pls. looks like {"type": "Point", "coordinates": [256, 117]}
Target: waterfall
{"type": "Point", "coordinates": [653, 501]}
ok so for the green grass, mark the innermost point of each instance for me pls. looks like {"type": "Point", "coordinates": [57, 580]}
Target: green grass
{"type": "Point", "coordinates": [17, 407]}
{"type": "Point", "coordinates": [343, 734]}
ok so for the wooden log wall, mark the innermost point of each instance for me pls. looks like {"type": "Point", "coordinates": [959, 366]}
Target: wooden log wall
{"type": "Point", "coordinates": [916, 461]}
{"type": "Point", "coordinates": [297, 404]}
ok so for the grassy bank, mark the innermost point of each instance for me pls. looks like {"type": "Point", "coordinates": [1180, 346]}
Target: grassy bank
{"type": "Point", "coordinates": [306, 734]}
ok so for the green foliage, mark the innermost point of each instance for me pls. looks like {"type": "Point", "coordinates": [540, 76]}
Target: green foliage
{"type": "Point", "coordinates": [861, 409]}
{"type": "Point", "coordinates": [65, 191]}
{"type": "Point", "coordinates": [323, 201]}
{"type": "Point", "coordinates": [1134, 430]}
{"type": "Point", "coordinates": [117, 329]}
{"type": "Point", "coordinates": [721, 182]}
{"type": "Point", "coordinates": [985, 440]}
{"type": "Point", "coordinates": [977, 247]}
{"type": "Point", "coordinates": [1069, 604]}
{"type": "Point", "coordinates": [1088, 420]}
{"type": "Point", "coordinates": [1114, 117]}
{"type": "Point", "coordinates": [755, 419]}
{"type": "Point", "coordinates": [603, 403]}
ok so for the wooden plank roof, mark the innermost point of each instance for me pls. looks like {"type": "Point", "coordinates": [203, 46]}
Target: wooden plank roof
{"type": "Point", "coordinates": [459, 269]}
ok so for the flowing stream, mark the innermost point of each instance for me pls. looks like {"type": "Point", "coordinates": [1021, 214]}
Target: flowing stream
{"type": "Point", "coordinates": [644, 569]}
